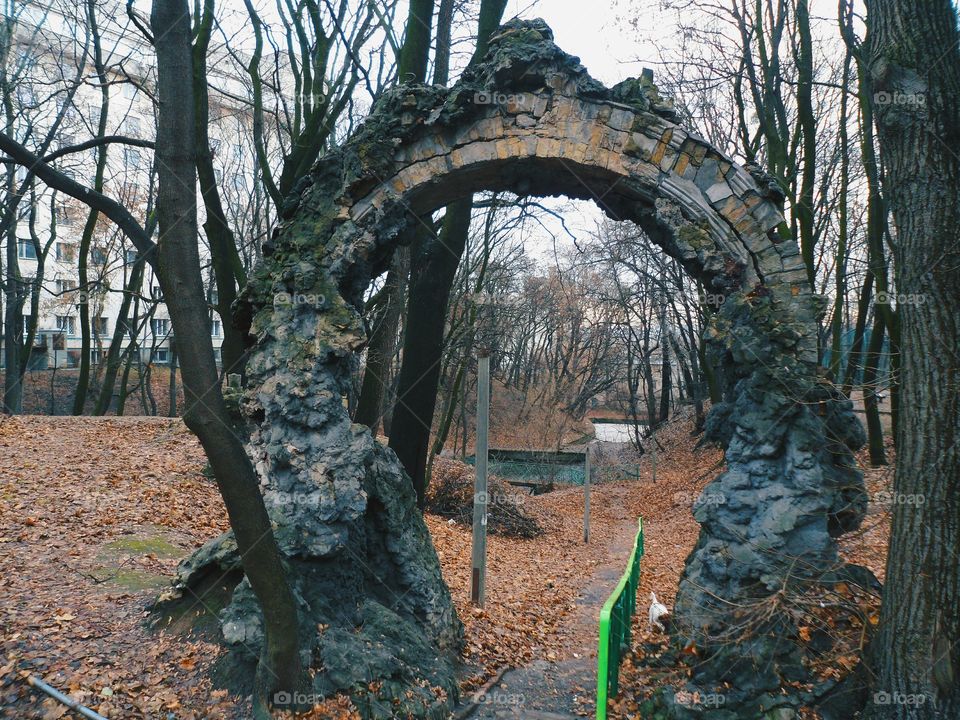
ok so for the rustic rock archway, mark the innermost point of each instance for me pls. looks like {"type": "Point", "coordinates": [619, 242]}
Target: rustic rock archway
{"type": "Point", "coordinates": [529, 119]}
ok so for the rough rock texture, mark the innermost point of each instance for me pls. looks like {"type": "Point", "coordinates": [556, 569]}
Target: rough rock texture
{"type": "Point", "coordinates": [769, 521]}
{"type": "Point", "coordinates": [528, 119]}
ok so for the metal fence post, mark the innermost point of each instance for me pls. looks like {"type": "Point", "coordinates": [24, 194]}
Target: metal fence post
{"type": "Point", "coordinates": [479, 561]}
{"type": "Point", "coordinates": [586, 495]}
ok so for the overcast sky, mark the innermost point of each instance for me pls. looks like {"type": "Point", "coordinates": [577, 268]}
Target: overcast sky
{"type": "Point", "coordinates": [597, 32]}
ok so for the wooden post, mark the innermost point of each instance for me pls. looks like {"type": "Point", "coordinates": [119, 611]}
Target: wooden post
{"type": "Point", "coordinates": [586, 495]}
{"type": "Point", "coordinates": [478, 576]}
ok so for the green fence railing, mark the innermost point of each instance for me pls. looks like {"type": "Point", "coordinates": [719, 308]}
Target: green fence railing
{"type": "Point", "coordinates": [615, 617]}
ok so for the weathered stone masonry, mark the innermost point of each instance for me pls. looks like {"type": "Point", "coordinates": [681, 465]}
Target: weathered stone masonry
{"type": "Point", "coordinates": [529, 119]}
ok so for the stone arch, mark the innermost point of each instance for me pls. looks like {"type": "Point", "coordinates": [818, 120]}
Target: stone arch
{"type": "Point", "coordinates": [528, 119]}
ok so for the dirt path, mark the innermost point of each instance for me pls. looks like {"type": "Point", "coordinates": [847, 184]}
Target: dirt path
{"type": "Point", "coordinates": [564, 686]}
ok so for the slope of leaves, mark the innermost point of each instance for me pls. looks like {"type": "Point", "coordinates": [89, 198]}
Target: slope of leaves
{"type": "Point", "coordinates": [95, 514]}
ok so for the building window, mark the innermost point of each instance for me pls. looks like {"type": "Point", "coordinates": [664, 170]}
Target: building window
{"type": "Point", "coordinates": [62, 215]}
{"type": "Point", "coordinates": [98, 256]}
{"type": "Point", "coordinates": [129, 91]}
{"type": "Point", "coordinates": [96, 357]}
{"type": "Point", "coordinates": [93, 112]}
{"type": "Point", "coordinates": [101, 326]}
{"type": "Point", "coordinates": [66, 252]}
{"type": "Point", "coordinates": [161, 356]}
{"type": "Point", "coordinates": [26, 249]}
{"type": "Point", "coordinates": [156, 293]}
{"type": "Point", "coordinates": [65, 286]}
{"type": "Point", "coordinates": [215, 328]}
{"type": "Point", "coordinates": [26, 325]}
{"type": "Point", "coordinates": [132, 159]}
{"type": "Point", "coordinates": [160, 327]}
{"type": "Point", "coordinates": [67, 324]}
{"type": "Point", "coordinates": [131, 126]}
{"type": "Point", "coordinates": [131, 256]}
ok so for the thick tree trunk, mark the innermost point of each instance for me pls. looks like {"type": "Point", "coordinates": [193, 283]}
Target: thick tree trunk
{"type": "Point", "coordinates": [280, 666]}
{"type": "Point", "coordinates": [415, 55]}
{"type": "Point", "coordinates": [434, 262]}
{"type": "Point", "coordinates": [433, 267]}
{"type": "Point", "coordinates": [914, 64]}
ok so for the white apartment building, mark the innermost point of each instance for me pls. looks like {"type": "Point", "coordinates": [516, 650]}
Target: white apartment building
{"type": "Point", "coordinates": [47, 48]}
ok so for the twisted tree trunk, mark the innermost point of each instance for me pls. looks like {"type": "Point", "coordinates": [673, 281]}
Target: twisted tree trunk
{"type": "Point", "coordinates": [178, 271]}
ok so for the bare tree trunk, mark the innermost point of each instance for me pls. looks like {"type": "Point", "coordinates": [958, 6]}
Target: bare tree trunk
{"type": "Point", "coordinates": [914, 65]}
{"type": "Point", "coordinates": [205, 412]}
{"type": "Point", "coordinates": [378, 370]}
{"type": "Point", "coordinates": [433, 266]}
{"type": "Point", "coordinates": [434, 262]}
{"type": "Point", "coordinates": [870, 402]}
{"type": "Point", "coordinates": [227, 266]}
{"type": "Point", "coordinates": [172, 389]}
{"type": "Point", "coordinates": [83, 251]}
{"type": "Point", "coordinates": [112, 364]}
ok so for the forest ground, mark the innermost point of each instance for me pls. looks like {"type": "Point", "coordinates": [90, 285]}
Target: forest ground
{"type": "Point", "coordinates": [96, 513]}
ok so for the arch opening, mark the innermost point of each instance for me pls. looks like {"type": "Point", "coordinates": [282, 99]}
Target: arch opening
{"type": "Point", "coordinates": [343, 508]}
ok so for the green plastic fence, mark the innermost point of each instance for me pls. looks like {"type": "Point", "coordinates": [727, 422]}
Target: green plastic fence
{"type": "Point", "coordinates": [615, 617]}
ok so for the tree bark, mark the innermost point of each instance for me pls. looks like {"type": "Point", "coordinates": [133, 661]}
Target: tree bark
{"type": "Point", "coordinates": [378, 370]}
{"type": "Point", "coordinates": [434, 264]}
{"type": "Point", "coordinates": [227, 266]}
{"type": "Point", "coordinates": [914, 66]}
{"type": "Point", "coordinates": [205, 412]}
{"type": "Point", "coordinates": [433, 267]}
{"type": "Point", "coordinates": [83, 251]}
{"type": "Point", "coordinates": [415, 54]}
{"type": "Point", "coordinates": [114, 359]}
